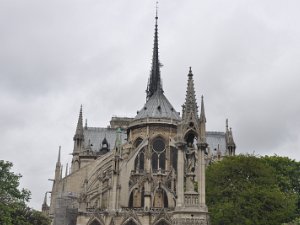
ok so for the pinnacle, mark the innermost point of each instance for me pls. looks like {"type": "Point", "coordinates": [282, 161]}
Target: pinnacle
{"type": "Point", "coordinates": [190, 99]}
{"type": "Point", "coordinates": [202, 114]}
{"type": "Point", "coordinates": [79, 128]}
{"type": "Point", "coordinates": [59, 152]}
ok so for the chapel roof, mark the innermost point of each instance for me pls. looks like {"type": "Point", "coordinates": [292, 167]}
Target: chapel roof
{"type": "Point", "coordinates": [158, 106]}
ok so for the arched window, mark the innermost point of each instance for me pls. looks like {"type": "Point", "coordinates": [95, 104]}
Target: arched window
{"type": "Point", "coordinates": [160, 199]}
{"type": "Point", "coordinates": [139, 162]}
{"type": "Point", "coordinates": [190, 139]}
{"type": "Point", "coordinates": [158, 154]}
{"type": "Point", "coordinates": [136, 198]}
{"type": "Point", "coordinates": [173, 158]}
{"type": "Point", "coordinates": [137, 142]}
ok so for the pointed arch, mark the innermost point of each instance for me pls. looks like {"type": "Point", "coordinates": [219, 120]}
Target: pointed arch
{"type": "Point", "coordinates": [136, 198]}
{"type": "Point", "coordinates": [160, 198]}
{"type": "Point", "coordinates": [139, 162]}
{"type": "Point", "coordinates": [137, 142]}
{"type": "Point", "coordinates": [131, 221]}
{"type": "Point", "coordinates": [95, 221]}
{"type": "Point", "coordinates": [190, 136]}
{"type": "Point", "coordinates": [169, 198]}
{"type": "Point", "coordinates": [162, 222]}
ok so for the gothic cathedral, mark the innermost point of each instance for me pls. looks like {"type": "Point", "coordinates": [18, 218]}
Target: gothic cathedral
{"type": "Point", "coordinates": [146, 170]}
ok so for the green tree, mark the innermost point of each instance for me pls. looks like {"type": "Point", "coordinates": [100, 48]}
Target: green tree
{"type": "Point", "coordinates": [244, 190]}
{"type": "Point", "coordinates": [287, 175]}
{"type": "Point", "coordinates": [13, 208]}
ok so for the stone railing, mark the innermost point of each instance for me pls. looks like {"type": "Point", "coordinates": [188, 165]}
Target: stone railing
{"type": "Point", "coordinates": [190, 221]}
{"type": "Point", "coordinates": [191, 199]}
{"type": "Point", "coordinates": [150, 120]}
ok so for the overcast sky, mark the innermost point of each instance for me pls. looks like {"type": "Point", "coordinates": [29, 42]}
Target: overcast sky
{"type": "Point", "coordinates": [56, 55]}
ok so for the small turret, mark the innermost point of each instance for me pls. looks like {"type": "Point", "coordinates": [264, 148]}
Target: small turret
{"type": "Point", "coordinates": [230, 144]}
{"type": "Point", "coordinates": [79, 137]}
{"type": "Point", "coordinates": [78, 143]}
{"type": "Point", "coordinates": [45, 207]}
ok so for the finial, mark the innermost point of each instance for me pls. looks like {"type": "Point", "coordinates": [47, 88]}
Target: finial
{"type": "Point", "coordinates": [66, 170]}
{"type": "Point", "coordinates": [58, 158]}
{"type": "Point", "coordinates": [85, 124]}
{"type": "Point", "coordinates": [190, 72]}
{"type": "Point", "coordinates": [226, 124]}
{"type": "Point", "coordinates": [202, 114]}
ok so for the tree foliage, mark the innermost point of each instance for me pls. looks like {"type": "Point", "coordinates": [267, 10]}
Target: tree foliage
{"type": "Point", "coordinates": [249, 190]}
{"type": "Point", "coordinates": [13, 208]}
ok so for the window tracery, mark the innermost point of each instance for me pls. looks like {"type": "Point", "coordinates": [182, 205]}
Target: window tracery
{"type": "Point", "coordinates": [158, 159]}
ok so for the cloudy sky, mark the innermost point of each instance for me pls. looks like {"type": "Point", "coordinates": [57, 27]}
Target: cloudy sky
{"type": "Point", "coordinates": [56, 55]}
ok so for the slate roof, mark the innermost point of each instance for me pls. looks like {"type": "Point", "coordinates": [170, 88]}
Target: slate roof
{"type": "Point", "coordinates": [158, 106]}
{"type": "Point", "coordinates": [95, 136]}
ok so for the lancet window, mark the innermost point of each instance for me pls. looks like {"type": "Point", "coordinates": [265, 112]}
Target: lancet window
{"type": "Point", "coordinates": [136, 199]}
{"type": "Point", "coordinates": [139, 163]}
{"type": "Point", "coordinates": [160, 199]}
{"type": "Point", "coordinates": [158, 154]}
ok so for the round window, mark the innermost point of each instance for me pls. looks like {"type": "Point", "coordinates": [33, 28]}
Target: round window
{"type": "Point", "coordinates": [158, 145]}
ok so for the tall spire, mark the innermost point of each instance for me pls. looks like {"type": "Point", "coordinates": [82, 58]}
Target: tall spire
{"type": "Point", "coordinates": [154, 83]}
{"type": "Point", "coordinates": [190, 105]}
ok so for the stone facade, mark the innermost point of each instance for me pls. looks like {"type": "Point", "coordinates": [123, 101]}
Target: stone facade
{"type": "Point", "coordinates": [146, 170]}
